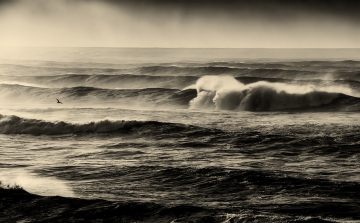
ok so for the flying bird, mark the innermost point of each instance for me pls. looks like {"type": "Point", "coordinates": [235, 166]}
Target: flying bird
{"type": "Point", "coordinates": [59, 101]}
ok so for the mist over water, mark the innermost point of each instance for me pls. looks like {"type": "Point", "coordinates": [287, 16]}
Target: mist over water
{"type": "Point", "coordinates": [204, 24]}
{"type": "Point", "coordinates": [221, 135]}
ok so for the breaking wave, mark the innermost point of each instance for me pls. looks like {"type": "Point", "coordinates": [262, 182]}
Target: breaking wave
{"type": "Point", "coordinates": [226, 93]}
{"type": "Point", "coordinates": [209, 92]}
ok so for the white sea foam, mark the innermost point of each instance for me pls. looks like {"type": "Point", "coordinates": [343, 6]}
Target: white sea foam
{"type": "Point", "coordinates": [226, 93]}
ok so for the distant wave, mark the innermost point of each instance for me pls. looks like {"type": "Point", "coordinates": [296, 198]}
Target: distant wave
{"type": "Point", "coordinates": [138, 81]}
{"type": "Point", "coordinates": [303, 70]}
{"type": "Point", "coordinates": [210, 92]}
{"type": "Point", "coordinates": [85, 95]}
{"type": "Point", "coordinates": [164, 70]}
{"type": "Point", "coordinates": [288, 64]}
{"type": "Point", "coordinates": [17, 125]}
{"type": "Point", "coordinates": [291, 69]}
{"type": "Point", "coordinates": [226, 93]}
{"type": "Point", "coordinates": [178, 70]}
{"type": "Point", "coordinates": [126, 81]}
{"type": "Point", "coordinates": [233, 71]}
{"type": "Point", "coordinates": [287, 69]}
{"type": "Point", "coordinates": [57, 69]}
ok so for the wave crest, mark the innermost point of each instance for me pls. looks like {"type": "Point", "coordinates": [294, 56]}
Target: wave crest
{"type": "Point", "coordinates": [226, 93]}
{"type": "Point", "coordinates": [17, 125]}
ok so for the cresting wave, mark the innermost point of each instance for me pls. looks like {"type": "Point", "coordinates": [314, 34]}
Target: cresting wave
{"type": "Point", "coordinates": [226, 93]}
{"type": "Point", "coordinates": [210, 92]}
{"type": "Point", "coordinates": [16, 125]}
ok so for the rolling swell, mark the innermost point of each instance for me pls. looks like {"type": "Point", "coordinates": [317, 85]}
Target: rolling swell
{"type": "Point", "coordinates": [130, 81]}
{"type": "Point", "coordinates": [17, 125]}
{"type": "Point", "coordinates": [256, 96]}
{"type": "Point", "coordinates": [14, 200]}
{"type": "Point", "coordinates": [166, 70]}
{"type": "Point", "coordinates": [125, 81]}
{"type": "Point", "coordinates": [298, 65]}
{"type": "Point", "coordinates": [297, 71]}
{"type": "Point", "coordinates": [148, 97]}
{"type": "Point", "coordinates": [56, 69]}
{"type": "Point", "coordinates": [178, 70]}
{"type": "Point", "coordinates": [180, 76]}
{"type": "Point", "coordinates": [312, 199]}
{"type": "Point", "coordinates": [233, 71]}
{"type": "Point", "coordinates": [294, 69]}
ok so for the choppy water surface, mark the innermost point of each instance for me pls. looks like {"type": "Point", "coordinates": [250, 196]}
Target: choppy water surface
{"type": "Point", "coordinates": [216, 139]}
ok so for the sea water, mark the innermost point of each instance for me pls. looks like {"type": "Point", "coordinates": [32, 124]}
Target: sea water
{"type": "Point", "coordinates": [244, 134]}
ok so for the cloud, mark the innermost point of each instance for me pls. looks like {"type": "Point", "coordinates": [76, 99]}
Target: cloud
{"type": "Point", "coordinates": [179, 23]}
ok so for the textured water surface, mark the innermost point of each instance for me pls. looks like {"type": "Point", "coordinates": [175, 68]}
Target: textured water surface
{"type": "Point", "coordinates": [162, 139]}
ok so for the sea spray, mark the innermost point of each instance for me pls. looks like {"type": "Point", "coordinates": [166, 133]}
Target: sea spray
{"type": "Point", "coordinates": [226, 93]}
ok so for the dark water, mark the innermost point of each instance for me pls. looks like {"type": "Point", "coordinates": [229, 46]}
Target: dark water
{"type": "Point", "coordinates": [179, 136]}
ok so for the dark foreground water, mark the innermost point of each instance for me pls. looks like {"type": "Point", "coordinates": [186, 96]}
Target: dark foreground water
{"type": "Point", "coordinates": [173, 136]}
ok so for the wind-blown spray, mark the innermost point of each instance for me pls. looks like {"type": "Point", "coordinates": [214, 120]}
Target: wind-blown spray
{"type": "Point", "coordinates": [226, 93]}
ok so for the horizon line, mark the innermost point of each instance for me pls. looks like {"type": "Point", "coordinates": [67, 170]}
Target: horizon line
{"type": "Point", "coordinates": [181, 47]}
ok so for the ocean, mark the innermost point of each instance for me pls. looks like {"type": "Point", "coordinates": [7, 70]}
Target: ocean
{"type": "Point", "coordinates": [179, 135]}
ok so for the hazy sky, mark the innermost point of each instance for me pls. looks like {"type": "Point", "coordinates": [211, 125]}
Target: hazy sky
{"type": "Point", "coordinates": [181, 23]}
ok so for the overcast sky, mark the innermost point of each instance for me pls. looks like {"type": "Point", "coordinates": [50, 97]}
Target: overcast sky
{"type": "Point", "coordinates": [181, 23]}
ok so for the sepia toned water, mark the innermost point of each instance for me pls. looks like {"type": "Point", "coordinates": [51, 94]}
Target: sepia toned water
{"type": "Point", "coordinates": [241, 134]}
